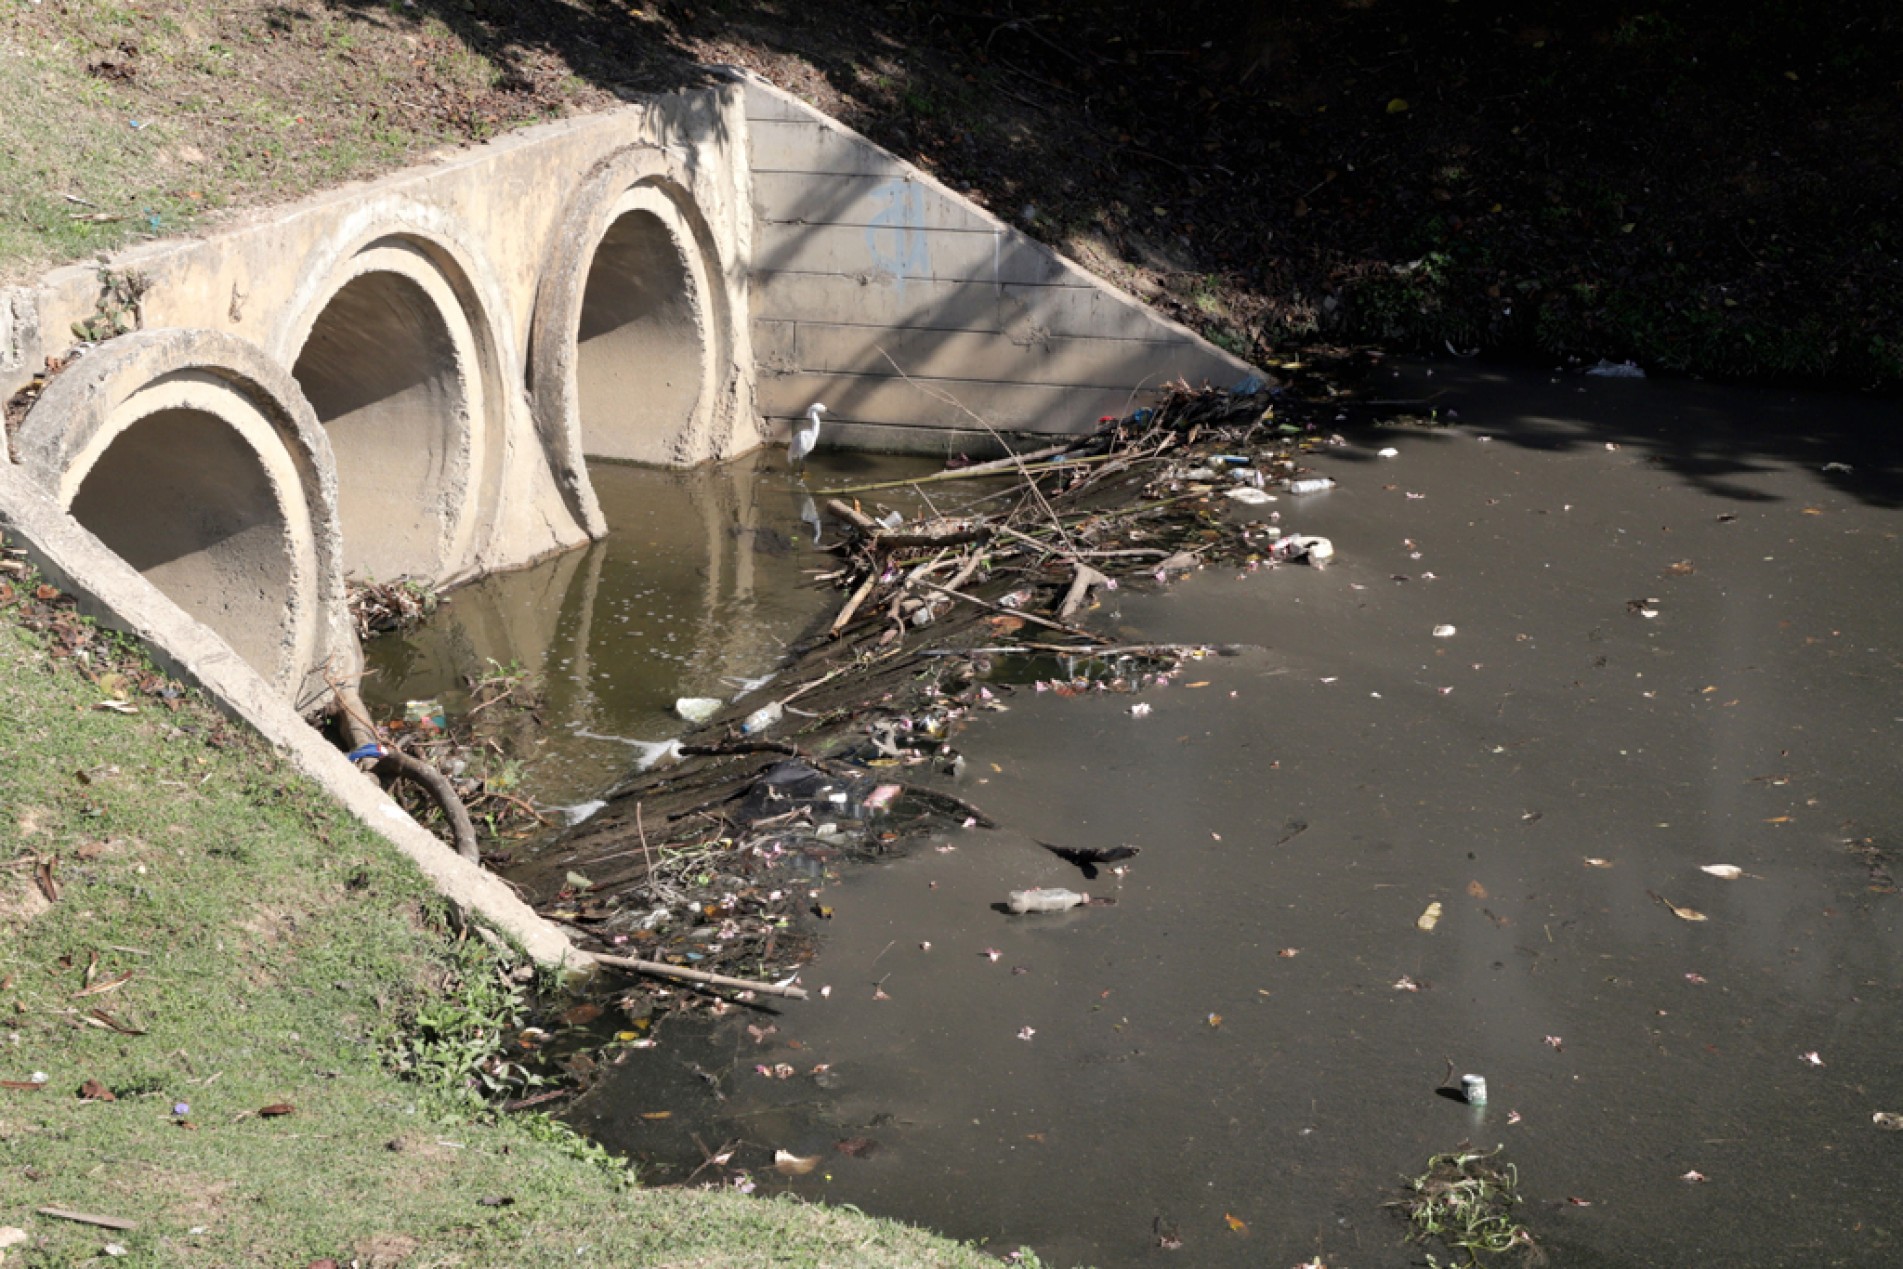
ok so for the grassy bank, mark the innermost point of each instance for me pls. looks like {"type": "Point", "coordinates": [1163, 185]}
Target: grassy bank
{"type": "Point", "coordinates": [236, 1019]}
{"type": "Point", "coordinates": [1604, 181]}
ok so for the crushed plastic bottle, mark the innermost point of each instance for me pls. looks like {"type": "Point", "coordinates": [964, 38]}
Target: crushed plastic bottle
{"type": "Point", "coordinates": [761, 719]}
{"type": "Point", "coordinates": [1313, 484]}
{"type": "Point", "coordinates": [1050, 900]}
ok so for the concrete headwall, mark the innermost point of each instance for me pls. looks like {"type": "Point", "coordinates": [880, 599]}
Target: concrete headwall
{"type": "Point", "coordinates": [906, 308]}
{"type": "Point", "coordinates": [404, 377]}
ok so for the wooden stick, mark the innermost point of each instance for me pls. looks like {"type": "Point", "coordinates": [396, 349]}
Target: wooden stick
{"type": "Point", "coordinates": [87, 1218]}
{"type": "Point", "coordinates": [1009, 612]}
{"type": "Point", "coordinates": [401, 765]}
{"type": "Point", "coordinates": [852, 605]}
{"type": "Point", "coordinates": [996, 467]}
{"type": "Point", "coordinates": [859, 519]}
{"type": "Point", "coordinates": [1080, 583]}
{"type": "Point", "coordinates": [660, 970]}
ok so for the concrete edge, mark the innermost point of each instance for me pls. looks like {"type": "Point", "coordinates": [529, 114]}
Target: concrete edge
{"type": "Point", "coordinates": [109, 590]}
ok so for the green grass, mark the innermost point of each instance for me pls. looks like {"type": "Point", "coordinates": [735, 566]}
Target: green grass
{"type": "Point", "coordinates": [278, 954]}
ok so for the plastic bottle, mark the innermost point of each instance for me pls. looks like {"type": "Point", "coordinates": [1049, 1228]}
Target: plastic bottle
{"type": "Point", "coordinates": [1052, 900]}
{"type": "Point", "coordinates": [1312, 484]}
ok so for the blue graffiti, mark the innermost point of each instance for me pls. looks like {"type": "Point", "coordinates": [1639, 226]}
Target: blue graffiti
{"type": "Point", "coordinates": [895, 236]}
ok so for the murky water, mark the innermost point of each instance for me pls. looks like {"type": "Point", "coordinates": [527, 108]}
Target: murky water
{"type": "Point", "coordinates": [705, 577]}
{"type": "Point", "coordinates": [1237, 1037]}
{"type": "Point", "coordinates": [1679, 652]}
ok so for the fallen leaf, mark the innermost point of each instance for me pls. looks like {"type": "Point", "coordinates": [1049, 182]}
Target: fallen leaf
{"type": "Point", "coordinates": [275, 1109]}
{"type": "Point", "coordinates": [117, 706]}
{"type": "Point", "coordinates": [582, 1014]}
{"type": "Point", "coordinates": [1235, 1223]}
{"type": "Point", "coordinates": [1683, 914]}
{"type": "Point", "coordinates": [788, 1164]}
{"type": "Point", "coordinates": [1476, 890]}
{"type": "Point", "coordinates": [657, 1114]}
{"type": "Point", "coordinates": [857, 1147]}
{"type": "Point", "coordinates": [94, 1091]}
{"type": "Point", "coordinates": [1215, 1020]}
{"type": "Point", "coordinates": [1578, 1202]}
{"type": "Point", "coordinates": [1430, 918]}
{"type": "Point", "coordinates": [101, 988]}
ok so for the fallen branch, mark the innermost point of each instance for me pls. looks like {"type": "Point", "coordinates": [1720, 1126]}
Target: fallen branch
{"type": "Point", "coordinates": [396, 764]}
{"type": "Point", "coordinates": [1081, 581]}
{"type": "Point", "coordinates": [660, 970]}
{"type": "Point", "coordinates": [859, 519]}
{"type": "Point", "coordinates": [852, 605]}
{"type": "Point", "coordinates": [996, 466]}
{"type": "Point", "coordinates": [1010, 612]}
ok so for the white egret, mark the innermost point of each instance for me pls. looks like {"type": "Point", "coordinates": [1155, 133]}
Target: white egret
{"type": "Point", "coordinates": [805, 436]}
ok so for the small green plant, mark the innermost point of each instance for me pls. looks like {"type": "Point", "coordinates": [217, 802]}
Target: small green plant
{"type": "Point", "coordinates": [119, 309]}
{"type": "Point", "coordinates": [1466, 1200]}
{"type": "Point", "coordinates": [456, 1045]}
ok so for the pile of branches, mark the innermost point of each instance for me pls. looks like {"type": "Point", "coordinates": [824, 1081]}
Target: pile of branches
{"type": "Point", "coordinates": [709, 861]}
{"type": "Point", "coordinates": [389, 607]}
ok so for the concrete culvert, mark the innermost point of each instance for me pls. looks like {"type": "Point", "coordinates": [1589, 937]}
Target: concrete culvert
{"type": "Point", "coordinates": [194, 457]}
{"type": "Point", "coordinates": [183, 498]}
{"type": "Point", "coordinates": [381, 371]}
{"type": "Point", "coordinates": [641, 351]}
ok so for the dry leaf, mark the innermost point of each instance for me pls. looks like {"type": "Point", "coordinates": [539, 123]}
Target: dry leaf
{"type": "Point", "coordinates": [1683, 914]}
{"type": "Point", "coordinates": [101, 988]}
{"type": "Point", "coordinates": [1476, 890]}
{"type": "Point", "coordinates": [1430, 918]}
{"type": "Point", "coordinates": [857, 1147]}
{"type": "Point", "coordinates": [1236, 1223]}
{"type": "Point", "coordinates": [276, 1109]}
{"type": "Point", "coordinates": [789, 1164]}
{"type": "Point", "coordinates": [94, 1091]}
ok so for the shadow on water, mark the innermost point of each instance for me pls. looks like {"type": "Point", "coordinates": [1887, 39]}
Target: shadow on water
{"type": "Point", "coordinates": [1654, 666]}
{"type": "Point", "coordinates": [1721, 440]}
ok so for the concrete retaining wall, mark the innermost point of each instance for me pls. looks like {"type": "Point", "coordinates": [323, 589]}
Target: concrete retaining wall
{"type": "Point", "coordinates": [864, 267]}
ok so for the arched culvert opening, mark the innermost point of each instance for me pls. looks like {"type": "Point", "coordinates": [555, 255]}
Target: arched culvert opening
{"type": "Point", "coordinates": [184, 499]}
{"type": "Point", "coordinates": [381, 369]}
{"type": "Point", "coordinates": [194, 456]}
{"type": "Point", "coordinates": [632, 350]}
{"type": "Point", "coordinates": [641, 355]}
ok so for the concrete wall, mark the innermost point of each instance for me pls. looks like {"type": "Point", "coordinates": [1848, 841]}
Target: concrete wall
{"type": "Point", "coordinates": [863, 266]}
{"type": "Point", "coordinates": [404, 377]}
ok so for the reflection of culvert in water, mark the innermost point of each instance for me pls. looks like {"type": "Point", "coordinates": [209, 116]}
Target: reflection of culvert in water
{"type": "Point", "coordinates": [381, 369]}
{"type": "Point", "coordinates": [181, 497]}
{"type": "Point", "coordinates": [640, 357]}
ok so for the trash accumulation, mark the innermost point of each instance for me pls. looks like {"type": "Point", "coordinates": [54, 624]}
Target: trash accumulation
{"type": "Point", "coordinates": [717, 856]}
